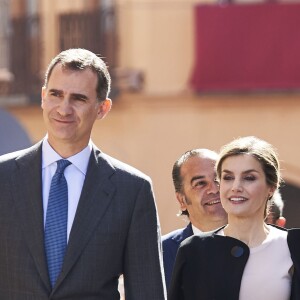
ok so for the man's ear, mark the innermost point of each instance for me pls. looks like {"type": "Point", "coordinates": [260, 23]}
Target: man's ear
{"type": "Point", "coordinates": [281, 222]}
{"type": "Point", "coordinates": [43, 92]}
{"type": "Point", "coordinates": [104, 108]}
{"type": "Point", "coordinates": [181, 200]}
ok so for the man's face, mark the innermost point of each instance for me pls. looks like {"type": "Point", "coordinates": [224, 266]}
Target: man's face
{"type": "Point", "coordinates": [70, 106]}
{"type": "Point", "coordinates": [200, 193]}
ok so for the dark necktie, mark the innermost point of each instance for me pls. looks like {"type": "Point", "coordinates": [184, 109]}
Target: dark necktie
{"type": "Point", "coordinates": [56, 221]}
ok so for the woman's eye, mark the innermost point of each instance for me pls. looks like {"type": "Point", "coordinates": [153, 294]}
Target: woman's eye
{"type": "Point", "coordinates": [227, 177]}
{"type": "Point", "coordinates": [250, 178]}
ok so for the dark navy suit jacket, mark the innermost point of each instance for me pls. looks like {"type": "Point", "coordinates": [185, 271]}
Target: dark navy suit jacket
{"type": "Point", "coordinates": [170, 244]}
{"type": "Point", "coordinates": [115, 212]}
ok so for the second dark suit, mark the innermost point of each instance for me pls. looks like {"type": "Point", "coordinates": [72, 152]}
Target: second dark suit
{"type": "Point", "coordinates": [170, 244]}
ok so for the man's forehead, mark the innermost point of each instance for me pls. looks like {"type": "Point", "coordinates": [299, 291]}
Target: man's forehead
{"type": "Point", "coordinates": [198, 165]}
{"type": "Point", "coordinates": [198, 162]}
{"type": "Point", "coordinates": [63, 78]}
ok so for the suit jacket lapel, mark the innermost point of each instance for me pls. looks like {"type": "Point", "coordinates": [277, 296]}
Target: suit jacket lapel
{"type": "Point", "coordinates": [26, 187]}
{"type": "Point", "coordinates": [95, 197]}
{"type": "Point", "coordinates": [182, 235]}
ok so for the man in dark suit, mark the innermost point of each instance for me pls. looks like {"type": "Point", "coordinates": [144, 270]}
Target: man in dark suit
{"type": "Point", "coordinates": [98, 217]}
{"type": "Point", "coordinates": [197, 193]}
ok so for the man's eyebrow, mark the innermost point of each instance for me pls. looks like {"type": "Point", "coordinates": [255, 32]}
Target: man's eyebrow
{"type": "Point", "coordinates": [196, 178]}
{"type": "Point", "coordinates": [74, 95]}
{"type": "Point", "coordinates": [55, 90]}
{"type": "Point", "coordinates": [78, 95]}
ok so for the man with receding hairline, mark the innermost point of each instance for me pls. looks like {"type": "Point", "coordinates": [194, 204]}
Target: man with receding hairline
{"type": "Point", "coordinates": [197, 193]}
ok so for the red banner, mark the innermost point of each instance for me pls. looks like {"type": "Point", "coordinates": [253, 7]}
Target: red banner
{"type": "Point", "coordinates": [247, 47]}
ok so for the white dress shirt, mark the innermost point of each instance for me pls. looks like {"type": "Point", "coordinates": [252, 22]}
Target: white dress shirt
{"type": "Point", "coordinates": [74, 174]}
{"type": "Point", "coordinates": [196, 230]}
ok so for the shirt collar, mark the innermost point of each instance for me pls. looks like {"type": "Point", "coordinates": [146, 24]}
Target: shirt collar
{"type": "Point", "coordinates": [196, 230]}
{"type": "Point", "coordinates": [79, 160]}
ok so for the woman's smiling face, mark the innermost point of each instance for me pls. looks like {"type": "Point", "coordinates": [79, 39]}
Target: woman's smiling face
{"type": "Point", "coordinates": [243, 187]}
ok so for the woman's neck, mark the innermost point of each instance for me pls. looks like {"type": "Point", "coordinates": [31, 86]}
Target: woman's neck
{"type": "Point", "coordinates": [249, 231]}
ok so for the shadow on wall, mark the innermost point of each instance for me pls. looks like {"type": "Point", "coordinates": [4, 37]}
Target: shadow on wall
{"type": "Point", "coordinates": [12, 135]}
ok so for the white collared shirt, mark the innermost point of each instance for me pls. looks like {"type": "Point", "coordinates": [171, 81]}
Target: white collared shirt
{"type": "Point", "coordinates": [196, 230]}
{"type": "Point", "coordinates": [74, 174]}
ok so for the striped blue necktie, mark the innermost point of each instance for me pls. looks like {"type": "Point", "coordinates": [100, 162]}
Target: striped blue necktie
{"type": "Point", "coordinates": [56, 221]}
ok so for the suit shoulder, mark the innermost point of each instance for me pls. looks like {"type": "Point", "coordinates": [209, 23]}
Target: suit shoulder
{"type": "Point", "coordinates": [198, 239]}
{"type": "Point", "coordinates": [293, 231]}
{"type": "Point", "coordinates": [6, 158]}
{"type": "Point", "coordinates": [293, 237]}
{"type": "Point", "coordinates": [8, 163]}
{"type": "Point", "coordinates": [171, 235]}
{"type": "Point", "coordinates": [124, 168]}
{"type": "Point", "coordinates": [14, 155]}
{"type": "Point", "coordinates": [178, 235]}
